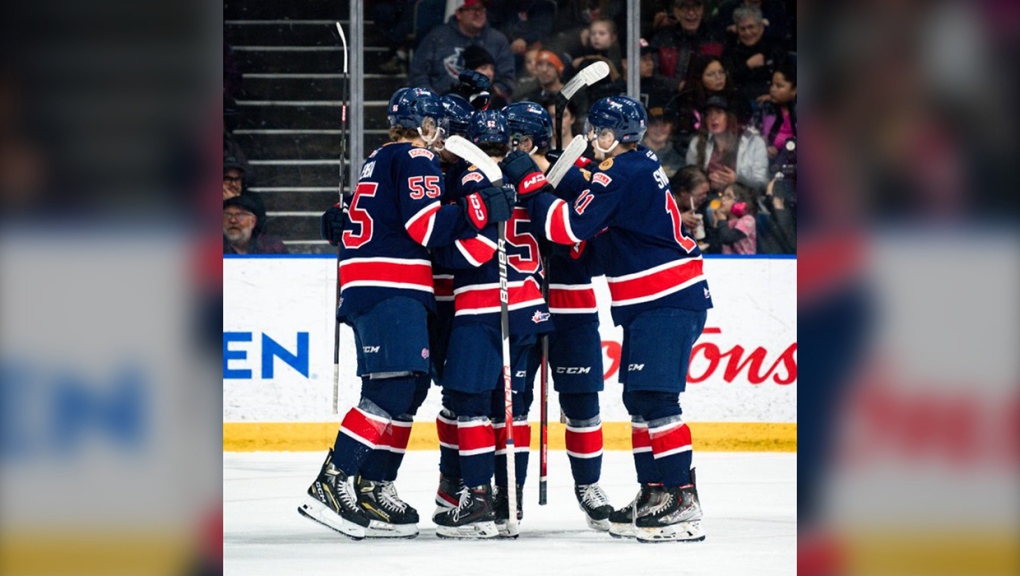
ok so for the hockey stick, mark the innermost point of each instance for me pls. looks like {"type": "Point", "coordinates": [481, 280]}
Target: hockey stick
{"type": "Point", "coordinates": [555, 176]}
{"type": "Point", "coordinates": [585, 77]}
{"type": "Point", "coordinates": [343, 153]}
{"type": "Point", "coordinates": [471, 153]}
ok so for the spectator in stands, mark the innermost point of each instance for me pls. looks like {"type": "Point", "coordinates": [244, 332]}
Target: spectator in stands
{"type": "Point", "coordinates": [777, 221]}
{"type": "Point", "coordinates": [707, 77]}
{"type": "Point", "coordinates": [525, 24]}
{"type": "Point", "coordinates": [601, 42]}
{"type": "Point", "coordinates": [573, 18]}
{"type": "Point", "coordinates": [527, 77]}
{"type": "Point", "coordinates": [752, 57]}
{"type": "Point", "coordinates": [690, 188]}
{"type": "Point", "coordinates": [654, 87]}
{"type": "Point", "coordinates": [773, 16]}
{"type": "Point", "coordinates": [479, 60]}
{"type": "Point", "coordinates": [729, 153]}
{"type": "Point", "coordinates": [659, 136]}
{"type": "Point", "coordinates": [244, 224]}
{"type": "Point", "coordinates": [735, 226]}
{"type": "Point", "coordinates": [570, 125]}
{"type": "Point", "coordinates": [550, 70]}
{"type": "Point", "coordinates": [688, 37]}
{"type": "Point", "coordinates": [776, 117]}
{"type": "Point", "coordinates": [439, 58]}
{"type": "Point", "coordinates": [233, 177]}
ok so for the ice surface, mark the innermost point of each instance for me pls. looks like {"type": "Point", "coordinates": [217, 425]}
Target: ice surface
{"type": "Point", "coordinates": [750, 521]}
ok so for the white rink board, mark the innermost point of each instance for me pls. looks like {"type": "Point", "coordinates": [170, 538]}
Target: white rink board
{"type": "Point", "coordinates": [755, 316]}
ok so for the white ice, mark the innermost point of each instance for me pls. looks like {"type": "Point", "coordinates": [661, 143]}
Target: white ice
{"type": "Point", "coordinates": [749, 501]}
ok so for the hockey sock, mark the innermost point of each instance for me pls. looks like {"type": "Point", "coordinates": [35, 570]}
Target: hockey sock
{"type": "Point", "coordinates": [476, 446]}
{"type": "Point", "coordinates": [583, 436]}
{"type": "Point", "coordinates": [671, 448]}
{"type": "Point", "coordinates": [377, 462]}
{"type": "Point", "coordinates": [641, 443]}
{"type": "Point", "coordinates": [360, 432]}
{"type": "Point", "coordinates": [400, 435]}
{"type": "Point", "coordinates": [522, 450]}
{"type": "Point", "coordinates": [449, 455]}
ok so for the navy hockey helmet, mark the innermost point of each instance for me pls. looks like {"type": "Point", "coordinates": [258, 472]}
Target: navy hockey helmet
{"type": "Point", "coordinates": [489, 126]}
{"type": "Point", "coordinates": [531, 120]}
{"type": "Point", "coordinates": [409, 107]}
{"type": "Point", "coordinates": [457, 111]}
{"type": "Point", "coordinates": [625, 116]}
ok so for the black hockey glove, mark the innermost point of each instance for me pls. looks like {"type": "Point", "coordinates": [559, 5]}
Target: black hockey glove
{"type": "Point", "coordinates": [553, 155]}
{"type": "Point", "coordinates": [476, 88]}
{"type": "Point", "coordinates": [521, 171]}
{"type": "Point", "coordinates": [488, 205]}
{"type": "Point", "coordinates": [331, 225]}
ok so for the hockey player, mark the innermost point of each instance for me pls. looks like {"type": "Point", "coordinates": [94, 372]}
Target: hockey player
{"type": "Point", "coordinates": [575, 347]}
{"type": "Point", "coordinates": [474, 364]}
{"type": "Point", "coordinates": [660, 298]}
{"type": "Point", "coordinates": [386, 293]}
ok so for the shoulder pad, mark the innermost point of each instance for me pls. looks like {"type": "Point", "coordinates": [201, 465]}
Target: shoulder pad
{"type": "Point", "coordinates": [415, 152]}
{"type": "Point", "coordinates": [606, 164]}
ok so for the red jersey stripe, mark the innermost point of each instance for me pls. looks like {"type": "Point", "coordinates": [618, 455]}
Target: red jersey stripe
{"type": "Point", "coordinates": [420, 225]}
{"type": "Point", "coordinates": [442, 284]}
{"type": "Point", "coordinates": [386, 272]}
{"type": "Point", "coordinates": [484, 299]}
{"type": "Point", "coordinates": [564, 299]}
{"type": "Point", "coordinates": [477, 250]}
{"type": "Point", "coordinates": [557, 224]}
{"type": "Point", "coordinates": [655, 282]}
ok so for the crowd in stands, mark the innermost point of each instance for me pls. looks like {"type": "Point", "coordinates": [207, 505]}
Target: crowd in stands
{"type": "Point", "coordinates": [718, 80]}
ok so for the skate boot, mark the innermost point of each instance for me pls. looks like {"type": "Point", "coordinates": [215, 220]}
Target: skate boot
{"type": "Point", "coordinates": [447, 495]}
{"type": "Point", "coordinates": [388, 515]}
{"type": "Point", "coordinates": [621, 522]}
{"type": "Point", "coordinates": [595, 505]}
{"type": "Point", "coordinates": [674, 515]}
{"type": "Point", "coordinates": [333, 502]}
{"type": "Point", "coordinates": [473, 518]}
{"type": "Point", "coordinates": [501, 502]}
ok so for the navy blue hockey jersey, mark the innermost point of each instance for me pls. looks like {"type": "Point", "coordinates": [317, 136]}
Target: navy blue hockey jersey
{"type": "Point", "coordinates": [650, 261]}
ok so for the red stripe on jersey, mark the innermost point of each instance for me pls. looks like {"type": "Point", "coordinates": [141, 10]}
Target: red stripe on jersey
{"type": "Point", "coordinates": [366, 428]}
{"type": "Point", "coordinates": [443, 287]}
{"type": "Point", "coordinates": [640, 441]}
{"type": "Point", "coordinates": [653, 283]}
{"type": "Point", "coordinates": [487, 299]}
{"type": "Point", "coordinates": [565, 299]}
{"type": "Point", "coordinates": [420, 225]}
{"type": "Point", "coordinates": [400, 435]}
{"type": "Point", "coordinates": [558, 224]}
{"type": "Point", "coordinates": [390, 272]}
{"type": "Point", "coordinates": [477, 250]}
{"type": "Point", "coordinates": [475, 437]}
{"type": "Point", "coordinates": [447, 432]}
{"type": "Point", "coordinates": [584, 442]}
{"type": "Point", "coordinates": [670, 439]}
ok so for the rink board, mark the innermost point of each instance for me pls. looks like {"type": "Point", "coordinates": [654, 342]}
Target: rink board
{"type": "Point", "coordinates": [279, 341]}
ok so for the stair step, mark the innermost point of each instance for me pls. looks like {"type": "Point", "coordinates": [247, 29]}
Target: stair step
{"type": "Point", "coordinates": [308, 116]}
{"type": "Point", "coordinates": [294, 227]}
{"type": "Point", "coordinates": [296, 32]}
{"type": "Point", "coordinates": [303, 58]}
{"type": "Point", "coordinates": [318, 86]}
{"type": "Point", "coordinates": [312, 202]}
{"type": "Point", "coordinates": [304, 10]}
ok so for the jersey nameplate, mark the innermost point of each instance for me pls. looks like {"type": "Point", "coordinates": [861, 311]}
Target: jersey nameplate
{"type": "Point", "coordinates": [416, 152]}
{"type": "Point", "coordinates": [601, 178]}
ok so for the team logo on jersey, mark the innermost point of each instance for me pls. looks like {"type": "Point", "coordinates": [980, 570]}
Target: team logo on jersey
{"type": "Point", "coordinates": [606, 164]}
{"type": "Point", "coordinates": [602, 178]}
{"type": "Point", "coordinates": [707, 294]}
{"type": "Point", "coordinates": [471, 177]}
{"type": "Point", "coordinates": [416, 152]}
{"type": "Point", "coordinates": [425, 353]}
{"type": "Point", "coordinates": [586, 174]}
{"type": "Point", "coordinates": [540, 316]}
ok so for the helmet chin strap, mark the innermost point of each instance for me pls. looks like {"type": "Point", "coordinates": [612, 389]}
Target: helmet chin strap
{"type": "Point", "coordinates": [428, 141]}
{"type": "Point", "coordinates": [600, 150]}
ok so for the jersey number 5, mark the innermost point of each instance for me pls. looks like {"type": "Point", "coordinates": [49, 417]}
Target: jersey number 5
{"type": "Point", "coordinates": [431, 189]}
{"type": "Point", "coordinates": [360, 216]}
{"type": "Point", "coordinates": [678, 233]}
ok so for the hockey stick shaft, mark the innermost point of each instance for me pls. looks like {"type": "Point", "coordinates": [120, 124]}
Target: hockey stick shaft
{"type": "Point", "coordinates": [508, 394]}
{"type": "Point", "coordinates": [343, 154]}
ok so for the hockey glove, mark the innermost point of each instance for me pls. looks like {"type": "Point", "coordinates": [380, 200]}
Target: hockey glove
{"type": "Point", "coordinates": [521, 171]}
{"type": "Point", "coordinates": [331, 225]}
{"type": "Point", "coordinates": [476, 88]}
{"type": "Point", "coordinates": [488, 205]}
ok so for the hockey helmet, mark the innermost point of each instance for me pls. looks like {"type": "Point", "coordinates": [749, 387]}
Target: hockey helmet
{"type": "Point", "coordinates": [457, 111]}
{"type": "Point", "coordinates": [531, 120]}
{"type": "Point", "coordinates": [624, 116]}
{"type": "Point", "coordinates": [488, 126]}
{"type": "Point", "coordinates": [409, 107]}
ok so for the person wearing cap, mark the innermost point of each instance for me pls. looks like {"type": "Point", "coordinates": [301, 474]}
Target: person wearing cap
{"type": "Point", "coordinates": [439, 58]}
{"type": "Point", "coordinates": [687, 37]}
{"type": "Point", "coordinates": [728, 151]}
{"type": "Point", "coordinates": [659, 136]}
{"type": "Point", "coordinates": [654, 87]}
{"type": "Point", "coordinates": [244, 224]}
{"type": "Point", "coordinates": [233, 177]}
{"type": "Point", "coordinates": [549, 69]}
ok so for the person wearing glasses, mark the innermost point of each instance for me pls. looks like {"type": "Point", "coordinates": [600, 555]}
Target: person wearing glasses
{"type": "Point", "coordinates": [244, 224]}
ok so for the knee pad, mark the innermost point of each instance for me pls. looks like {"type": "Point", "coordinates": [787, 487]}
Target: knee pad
{"type": "Point", "coordinates": [583, 406]}
{"type": "Point", "coordinates": [651, 405]}
{"type": "Point", "coordinates": [466, 404]}
{"type": "Point", "coordinates": [393, 395]}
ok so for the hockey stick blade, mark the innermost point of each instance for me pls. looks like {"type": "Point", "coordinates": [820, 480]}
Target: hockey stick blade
{"type": "Point", "coordinates": [586, 77]}
{"type": "Point", "coordinates": [464, 148]}
{"type": "Point", "coordinates": [566, 160]}
{"type": "Point", "coordinates": [343, 38]}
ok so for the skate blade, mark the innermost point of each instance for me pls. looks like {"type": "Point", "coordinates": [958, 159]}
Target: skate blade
{"type": "Point", "coordinates": [377, 529]}
{"type": "Point", "coordinates": [506, 532]}
{"type": "Point", "coordinates": [622, 530]}
{"type": "Point", "coordinates": [318, 512]}
{"type": "Point", "coordinates": [597, 525]}
{"type": "Point", "coordinates": [681, 532]}
{"type": "Point", "coordinates": [476, 531]}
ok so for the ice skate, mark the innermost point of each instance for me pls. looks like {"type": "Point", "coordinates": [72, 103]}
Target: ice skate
{"type": "Point", "coordinates": [333, 502]}
{"type": "Point", "coordinates": [502, 505]}
{"type": "Point", "coordinates": [447, 495]}
{"type": "Point", "coordinates": [473, 518]}
{"type": "Point", "coordinates": [389, 516]}
{"type": "Point", "coordinates": [595, 505]}
{"type": "Point", "coordinates": [673, 515]}
{"type": "Point", "coordinates": [621, 522]}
